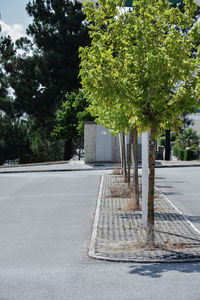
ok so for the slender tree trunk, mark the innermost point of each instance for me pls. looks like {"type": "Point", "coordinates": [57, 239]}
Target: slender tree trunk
{"type": "Point", "coordinates": [132, 157]}
{"type": "Point", "coordinates": [167, 145]}
{"type": "Point", "coordinates": [124, 158]}
{"type": "Point", "coordinates": [150, 222]}
{"type": "Point", "coordinates": [135, 155]}
{"type": "Point", "coordinates": [120, 149]}
{"type": "Point", "coordinates": [129, 158]}
{"type": "Point", "coordinates": [68, 149]}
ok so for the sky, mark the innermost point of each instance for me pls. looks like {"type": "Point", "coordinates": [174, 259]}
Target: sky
{"type": "Point", "coordinates": [14, 18]}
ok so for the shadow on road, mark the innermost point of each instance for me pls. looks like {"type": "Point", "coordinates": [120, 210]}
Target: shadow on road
{"type": "Point", "coordinates": [175, 217]}
{"type": "Point", "coordinates": [156, 270]}
{"type": "Point", "coordinates": [159, 216]}
{"type": "Point", "coordinates": [194, 219]}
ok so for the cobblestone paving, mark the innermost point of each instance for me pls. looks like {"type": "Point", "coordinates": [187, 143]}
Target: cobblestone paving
{"type": "Point", "coordinates": [120, 235]}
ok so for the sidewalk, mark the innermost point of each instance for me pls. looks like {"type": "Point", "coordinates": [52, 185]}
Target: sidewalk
{"type": "Point", "coordinates": [73, 165]}
{"type": "Point", "coordinates": [118, 235]}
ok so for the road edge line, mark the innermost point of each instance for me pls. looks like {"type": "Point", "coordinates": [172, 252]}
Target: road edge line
{"type": "Point", "coordinates": [96, 221]}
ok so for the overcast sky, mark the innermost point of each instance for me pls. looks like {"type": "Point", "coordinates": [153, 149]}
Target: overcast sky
{"type": "Point", "coordinates": [14, 18]}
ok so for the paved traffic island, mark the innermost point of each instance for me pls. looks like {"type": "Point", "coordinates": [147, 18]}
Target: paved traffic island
{"type": "Point", "coordinates": [118, 234]}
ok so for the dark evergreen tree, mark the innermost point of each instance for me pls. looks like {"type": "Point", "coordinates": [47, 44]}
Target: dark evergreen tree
{"type": "Point", "coordinates": [49, 65]}
{"type": "Point", "coordinates": [6, 104]}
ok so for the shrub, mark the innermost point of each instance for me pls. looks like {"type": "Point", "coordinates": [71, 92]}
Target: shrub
{"type": "Point", "coordinates": [192, 153]}
{"type": "Point", "coordinates": [178, 152]}
{"type": "Point", "coordinates": [161, 141]}
{"type": "Point", "coordinates": [181, 153]}
{"type": "Point", "coordinates": [175, 151]}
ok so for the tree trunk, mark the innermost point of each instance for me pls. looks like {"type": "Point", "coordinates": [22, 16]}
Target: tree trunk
{"type": "Point", "coordinates": [120, 149]}
{"type": "Point", "coordinates": [124, 158]}
{"type": "Point", "coordinates": [150, 222]}
{"type": "Point", "coordinates": [167, 145]}
{"type": "Point", "coordinates": [129, 157]}
{"type": "Point", "coordinates": [135, 169]}
{"type": "Point", "coordinates": [68, 150]}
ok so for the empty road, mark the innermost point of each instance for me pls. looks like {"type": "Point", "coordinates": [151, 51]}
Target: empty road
{"type": "Point", "coordinates": [45, 225]}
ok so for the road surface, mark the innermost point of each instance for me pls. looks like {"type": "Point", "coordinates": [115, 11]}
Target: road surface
{"type": "Point", "coordinates": [182, 186]}
{"type": "Point", "coordinates": [45, 225]}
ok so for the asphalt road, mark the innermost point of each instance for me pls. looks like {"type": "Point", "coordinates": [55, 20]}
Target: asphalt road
{"type": "Point", "coordinates": [182, 187]}
{"type": "Point", "coordinates": [45, 224]}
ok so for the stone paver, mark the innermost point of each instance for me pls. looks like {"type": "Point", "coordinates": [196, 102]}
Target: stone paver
{"type": "Point", "coordinates": [121, 237]}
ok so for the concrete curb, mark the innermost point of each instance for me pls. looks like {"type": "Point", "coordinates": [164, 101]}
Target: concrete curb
{"type": "Point", "coordinates": [55, 170]}
{"type": "Point", "coordinates": [91, 252]}
{"type": "Point", "coordinates": [36, 164]}
{"type": "Point", "coordinates": [177, 166]}
{"type": "Point", "coordinates": [96, 221]}
{"type": "Point", "coordinates": [7, 171]}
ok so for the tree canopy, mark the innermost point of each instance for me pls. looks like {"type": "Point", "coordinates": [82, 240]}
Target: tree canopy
{"type": "Point", "coordinates": [49, 65]}
{"type": "Point", "coordinates": [142, 60]}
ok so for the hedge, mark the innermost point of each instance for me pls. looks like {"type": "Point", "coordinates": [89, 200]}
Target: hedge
{"type": "Point", "coordinates": [183, 154]}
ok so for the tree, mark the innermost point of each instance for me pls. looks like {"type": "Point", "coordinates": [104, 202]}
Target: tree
{"type": "Point", "coordinates": [143, 59]}
{"type": "Point", "coordinates": [195, 18]}
{"type": "Point", "coordinates": [14, 141]}
{"type": "Point", "coordinates": [114, 117]}
{"type": "Point", "coordinates": [188, 138]}
{"type": "Point", "coordinates": [70, 121]}
{"type": "Point", "coordinates": [6, 103]}
{"type": "Point", "coordinates": [49, 64]}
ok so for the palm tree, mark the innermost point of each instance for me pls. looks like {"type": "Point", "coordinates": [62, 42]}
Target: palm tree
{"type": "Point", "coordinates": [188, 138]}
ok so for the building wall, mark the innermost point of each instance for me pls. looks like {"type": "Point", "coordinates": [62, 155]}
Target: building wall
{"type": "Point", "coordinates": [115, 149]}
{"type": "Point", "coordinates": [103, 144]}
{"type": "Point", "coordinates": [196, 126]}
{"type": "Point", "coordinates": [90, 142]}
{"type": "Point", "coordinates": [97, 145]}
{"type": "Point", "coordinates": [196, 122]}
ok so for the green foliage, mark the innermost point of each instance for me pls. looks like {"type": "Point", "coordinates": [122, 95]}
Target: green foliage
{"type": "Point", "coordinates": [51, 69]}
{"type": "Point", "coordinates": [179, 152]}
{"type": "Point", "coordinates": [45, 71]}
{"type": "Point", "coordinates": [69, 123]}
{"type": "Point", "coordinates": [70, 118]}
{"type": "Point", "coordinates": [161, 140]}
{"type": "Point", "coordinates": [141, 62]}
{"type": "Point", "coordinates": [175, 151]}
{"type": "Point", "coordinates": [14, 141]}
{"type": "Point", "coordinates": [191, 154]}
{"type": "Point", "coordinates": [42, 149]}
{"type": "Point", "coordinates": [188, 138]}
{"type": "Point", "coordinates": [6, 104]}
{"type": "Point", "coordinates": [19, 140]}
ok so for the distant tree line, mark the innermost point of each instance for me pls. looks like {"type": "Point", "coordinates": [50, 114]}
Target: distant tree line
{"type": "Point", "coordinates": [36, 74]}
